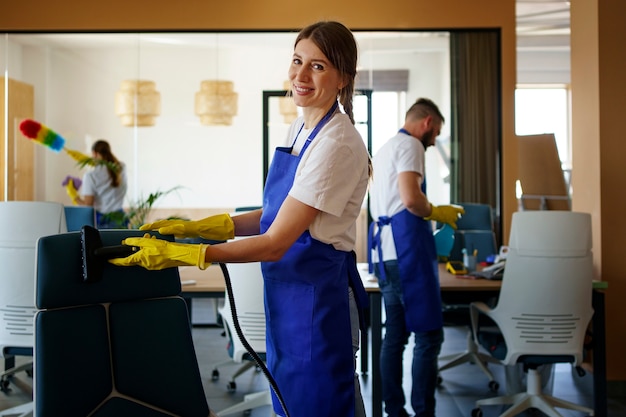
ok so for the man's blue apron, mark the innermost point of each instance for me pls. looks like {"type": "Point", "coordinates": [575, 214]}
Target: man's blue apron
{"type": "Point", "coordinates": [417, 261]}
{"type": "Point", "coordinates": [309, 342]}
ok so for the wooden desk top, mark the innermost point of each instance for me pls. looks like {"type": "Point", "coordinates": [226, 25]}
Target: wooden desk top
{"type": "Point", "coordinates": [447, 281]}
{"type": "Point", "coordinates": [211, 280]}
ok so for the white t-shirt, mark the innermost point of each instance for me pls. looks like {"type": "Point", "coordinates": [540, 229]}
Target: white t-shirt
{"type": "Point", "coordinates": [97, 183]}
{"type": "Point", "coordinates": [332, 177]}
{"type": "Point", "coordinates": [401, 153]}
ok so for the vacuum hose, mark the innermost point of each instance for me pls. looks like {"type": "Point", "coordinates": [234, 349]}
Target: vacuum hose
{"type": "Point", "coordinates": [255, 356]}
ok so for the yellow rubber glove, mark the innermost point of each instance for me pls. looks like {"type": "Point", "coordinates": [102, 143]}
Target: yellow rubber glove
{"type": "Point", "coordinates": [160, 254]}
{"type": "Point", "coordinates": [446, 214]}
{"type": "Point", "coordinates": [218, 227]}
{"type": "Point", "coordinates": [72, 191]}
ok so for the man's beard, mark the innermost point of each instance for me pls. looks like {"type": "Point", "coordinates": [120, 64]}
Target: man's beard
{"type": "Point", "coordinates": [428, 138]}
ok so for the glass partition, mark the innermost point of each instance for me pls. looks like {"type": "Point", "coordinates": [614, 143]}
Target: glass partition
{"type": "Point", "coordinates": [78, 82]}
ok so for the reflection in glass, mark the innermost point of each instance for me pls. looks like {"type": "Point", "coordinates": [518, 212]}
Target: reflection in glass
{"type": "Point", "coordinates": [137, 103]}
{"type": "Point", "coordinates": [75, 78]}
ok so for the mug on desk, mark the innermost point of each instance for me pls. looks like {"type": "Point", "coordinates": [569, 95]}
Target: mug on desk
{"type": "Point", "coordinates": [469, 261]}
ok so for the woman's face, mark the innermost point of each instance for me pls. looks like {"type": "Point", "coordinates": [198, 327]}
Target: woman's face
{"type": "Point", "coordinates": [315, 82]}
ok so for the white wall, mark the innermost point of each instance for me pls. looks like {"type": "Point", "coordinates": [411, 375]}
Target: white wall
{"type": "Point", "coordinates": [215, 166]}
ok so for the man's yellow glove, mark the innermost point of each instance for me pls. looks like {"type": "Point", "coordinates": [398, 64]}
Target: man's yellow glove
{"type": "Point", "coordinates": [218, 227]}
{"type": "Point", "coordinates": [72, 191]}
{"type": "Point", "coordinates": [160, 254]}
{"type": "Point", "coordinates": [446, 214]}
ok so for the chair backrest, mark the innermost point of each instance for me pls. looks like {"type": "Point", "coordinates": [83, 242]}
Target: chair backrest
{"type": "Point", "coordinates": [247, 285]}
{"type": "Point", "coordinates": [124, 340]}
{"type": "Point", "coordinates": [477, 217]}
{"type": "Point", "coordinates": [79, 216]}
{"type": "Point", "coordinates": [474, 232]}
{"type": "Point", "coordinates": [545, 301]}
{"type": "Point", "coordinates": [21, 224]}
{"type": "Point", "coordinates": [481, 241]}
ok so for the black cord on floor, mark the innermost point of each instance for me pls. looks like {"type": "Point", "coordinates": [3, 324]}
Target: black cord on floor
{"type": "Point", "coordinates": [255, 356]}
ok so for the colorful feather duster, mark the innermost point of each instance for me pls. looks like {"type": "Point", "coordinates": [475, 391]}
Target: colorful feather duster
{"type": "Point", "coordinates": [42, 134]}
{"type": "Point", "coordinates": [47, 137]}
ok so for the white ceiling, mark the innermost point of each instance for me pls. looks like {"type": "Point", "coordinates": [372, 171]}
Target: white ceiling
{"type": "Point", "coordinates": [543, 41]}
{"type": "Point", "coordinates": [542, 17]}
{"type": "Point", "coordinates": [543, 26]}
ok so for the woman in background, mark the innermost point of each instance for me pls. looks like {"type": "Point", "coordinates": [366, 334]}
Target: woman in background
{"type": "Point", "coordinates": [104, 187]}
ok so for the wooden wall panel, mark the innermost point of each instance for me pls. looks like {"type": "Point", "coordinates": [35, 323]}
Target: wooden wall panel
{"type": "Point", "coordinates": [16, 153]}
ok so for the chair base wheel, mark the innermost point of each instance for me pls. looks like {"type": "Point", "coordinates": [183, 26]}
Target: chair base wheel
{"type": "Point", "coordinates": [4, 385]}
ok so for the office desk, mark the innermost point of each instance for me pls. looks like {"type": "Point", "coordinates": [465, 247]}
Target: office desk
{"type": "Point", "coordinates": [463, 290]}
{"type": "Point", "coordinates": [457, 288]}
{"type": "Point", "coordinates": [207, 284]}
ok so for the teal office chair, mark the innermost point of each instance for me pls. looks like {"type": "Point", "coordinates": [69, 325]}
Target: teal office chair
{"type": "Point", "coordinates": [124, 338]}
{"type": "Point", "coordinates": [79, 216]}
{"type": "Point", "coordinates": [475, 231]}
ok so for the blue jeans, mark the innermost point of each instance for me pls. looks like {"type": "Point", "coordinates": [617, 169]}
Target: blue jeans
{"type": "Point", "coordinates": [427, 347]}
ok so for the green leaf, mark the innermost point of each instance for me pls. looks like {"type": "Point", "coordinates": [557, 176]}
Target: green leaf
{"type": "Point", "coordinates": [92, 162]}
{"type": "Point", "coordinates": [138, 212]}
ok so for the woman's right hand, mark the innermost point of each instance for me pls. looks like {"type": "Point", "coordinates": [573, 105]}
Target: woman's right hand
{"type": "Point", "coordinates": [155, 254]}
{"type": "Point", "coordinates": [217, 227]}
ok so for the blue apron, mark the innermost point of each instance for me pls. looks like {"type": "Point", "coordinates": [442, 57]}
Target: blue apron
{"type": "Point", "coordinates": [417, 261]}
{"type": "Point", "coordinates": [309, 342]}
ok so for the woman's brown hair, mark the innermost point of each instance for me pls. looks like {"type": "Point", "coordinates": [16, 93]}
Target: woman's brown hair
{"type": "Point", "coordinates": [113, 165]}
{"type": "Point", "coordinates": [338, 45]}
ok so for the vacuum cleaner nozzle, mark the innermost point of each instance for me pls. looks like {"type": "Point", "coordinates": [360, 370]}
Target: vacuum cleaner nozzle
{"type": "Point", "coordinates": [95, 256]}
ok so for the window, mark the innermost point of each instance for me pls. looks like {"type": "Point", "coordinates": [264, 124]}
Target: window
{"type": "Point", "coordinates": [545, 109]}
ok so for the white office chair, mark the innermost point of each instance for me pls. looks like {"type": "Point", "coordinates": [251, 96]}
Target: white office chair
{"type": "Point", "coordinates": [545, 302]}
{"type": "Point", "coordinates": [247, 285]}
{"type": "Point", "coordinates": [21, 224]}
